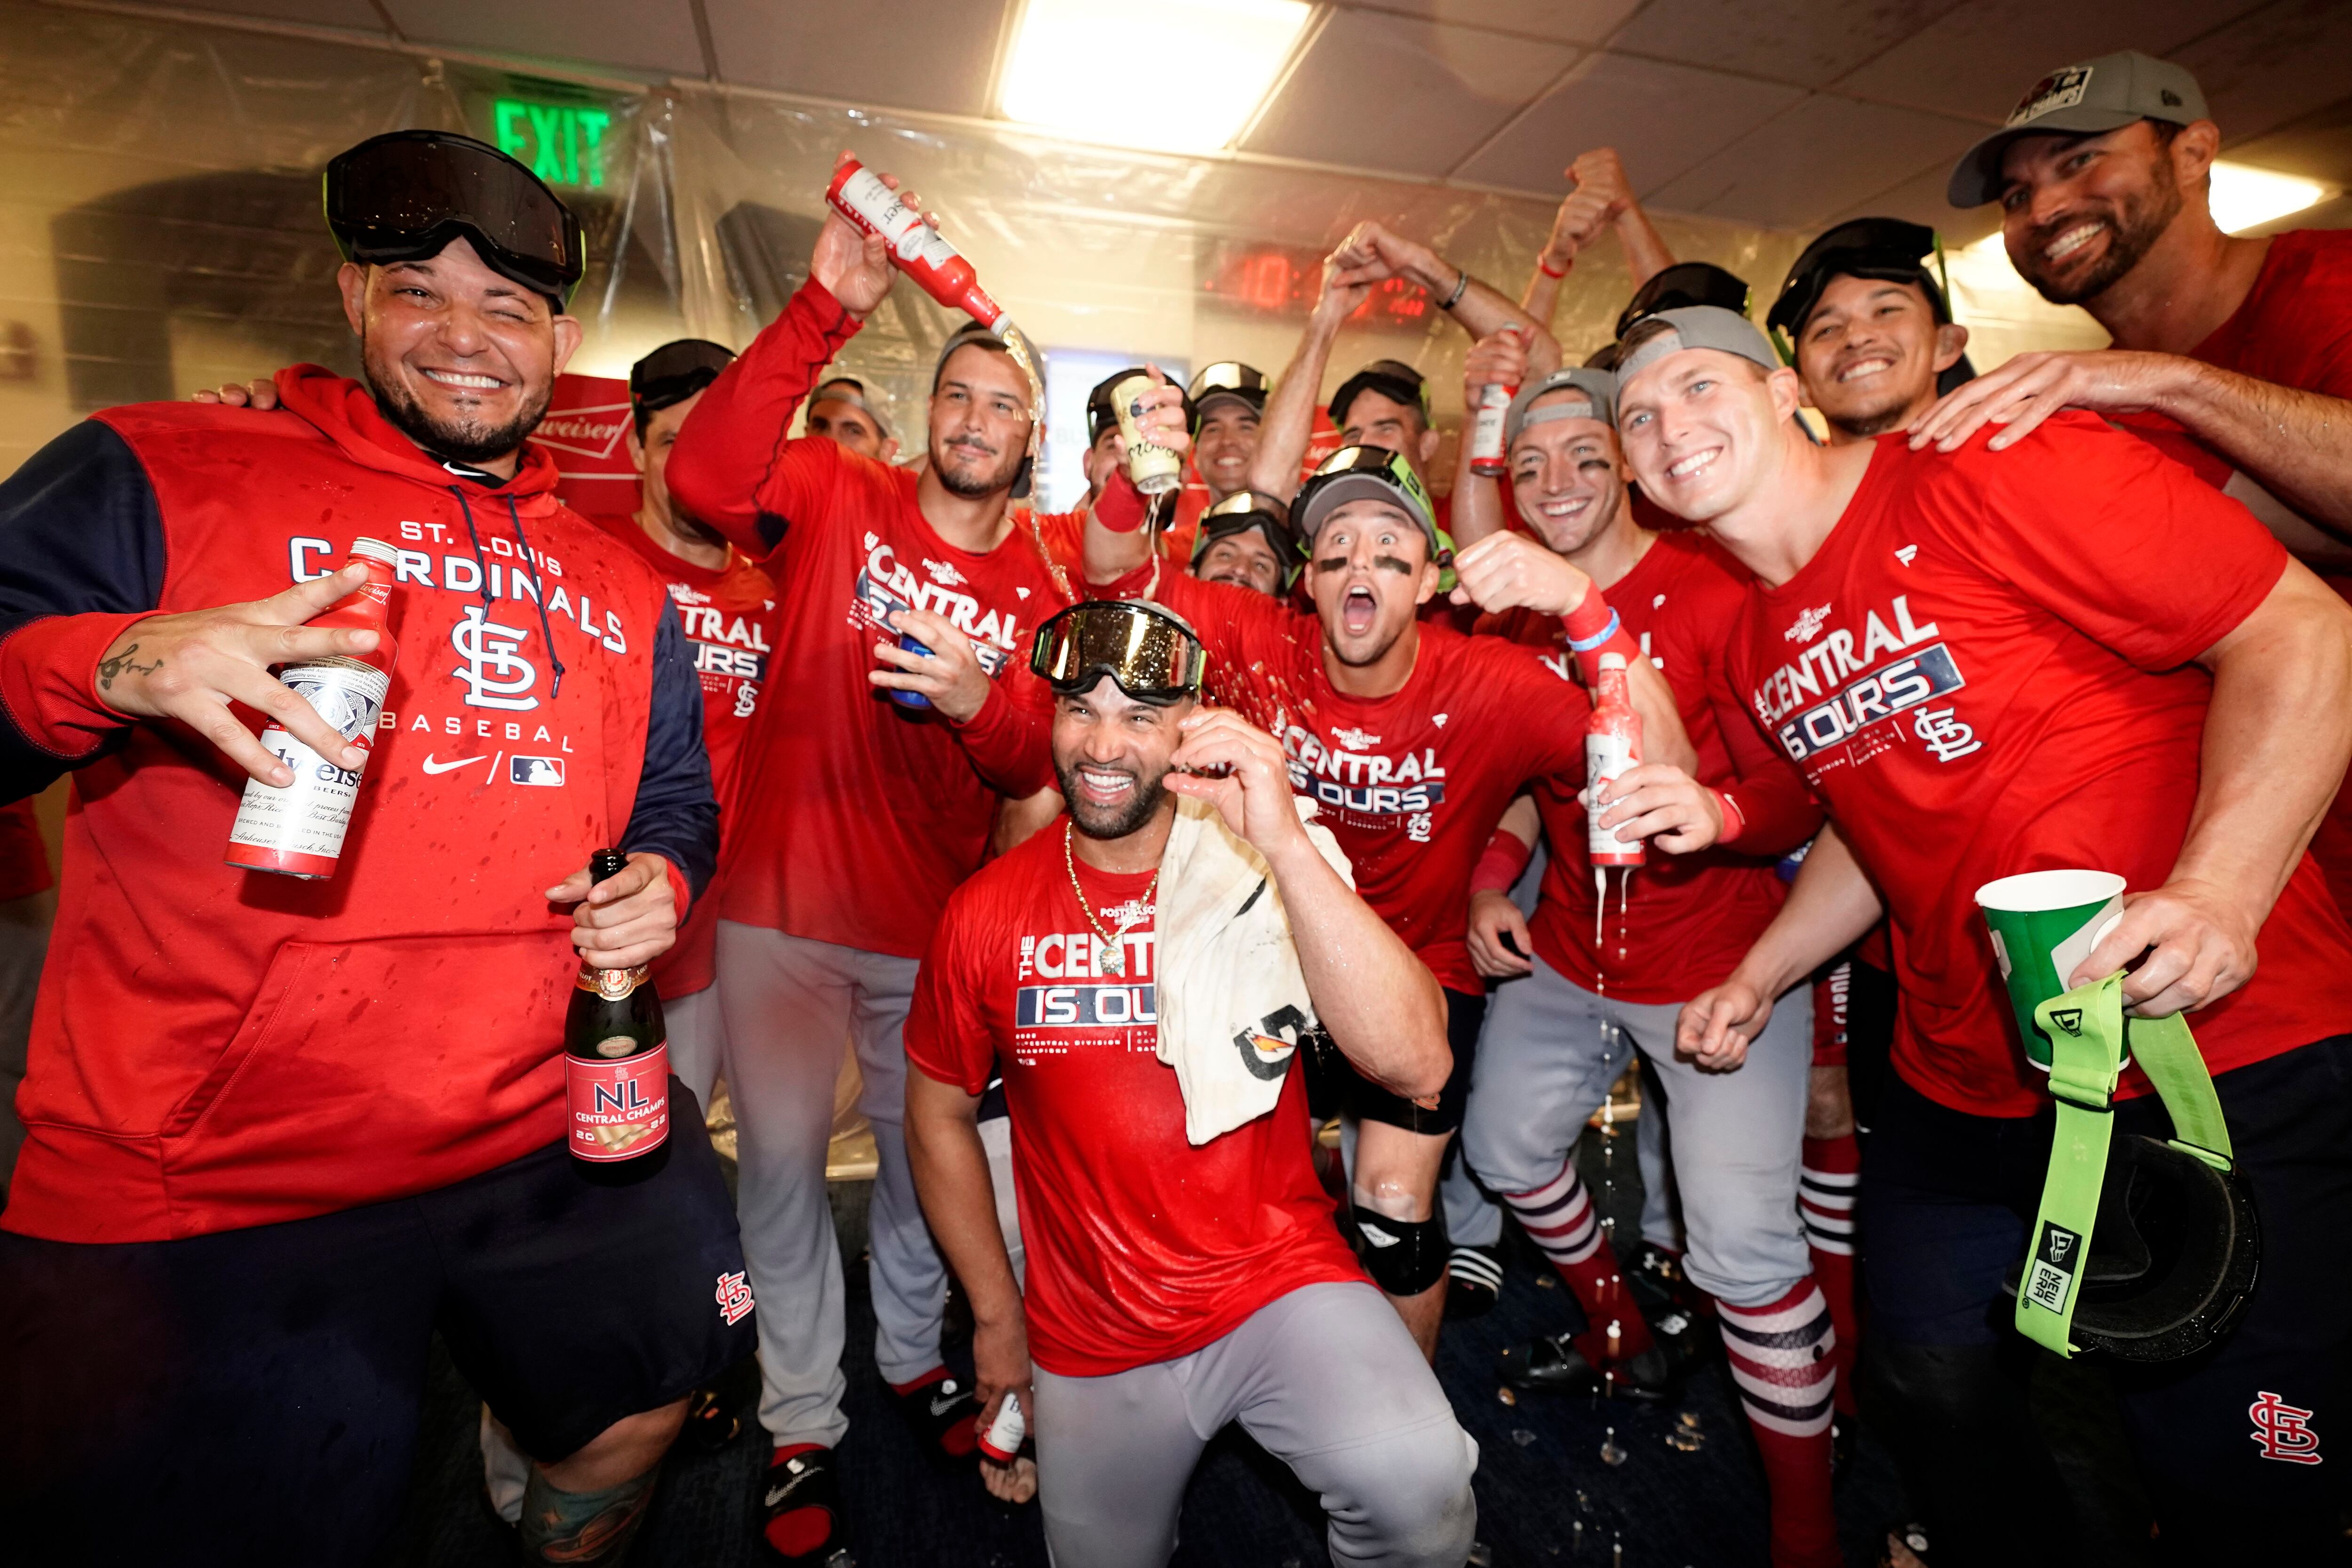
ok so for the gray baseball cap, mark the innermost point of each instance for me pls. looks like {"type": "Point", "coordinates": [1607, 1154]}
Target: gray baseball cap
{"type": "Point", "coordinates": [1598, 386]}
{"type": "Point", "coordinates": [1653, 338]}
{"type": "Point", "coordinates": [2104, 94]}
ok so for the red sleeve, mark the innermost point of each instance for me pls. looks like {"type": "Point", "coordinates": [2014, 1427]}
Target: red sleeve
{"type": "Point", "coordinates": [49, 680]}
{"type": "Point", "coordinates": [2104, 532]}
{"type": "Point", "coordinates": [1777, 809]}
{"type": "Point", "coordinates": [1532, 700]}
{"type": "Point", "coordinates": [1237, 625]}
{"type": "Point", "coordinates": [1010, 740]}
{"type": "Point", "coordinates": [733, 467]}
{"type": "Point", "coordinates": [947, 1034]}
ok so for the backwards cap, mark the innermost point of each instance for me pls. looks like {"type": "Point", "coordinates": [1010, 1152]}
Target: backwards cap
{"type": "Point", "coordinates": [1653, 338]}
{"type": "Point", "coordinates": [1599, 387]}
{"type": "Point", "coordinates": [2104, 94]}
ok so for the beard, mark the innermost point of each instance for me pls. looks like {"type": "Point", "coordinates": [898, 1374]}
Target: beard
{"type": "Point", "coordinates": [1866, 422]}
{"type": "Point", "coordinates": [1113, 822]}
{"type": "Point", "coordinates": [2134, 225]}
{"type": "Point", "coordinates": [472, 441]}
{"type": "Point", "coordinates": [978, 486]}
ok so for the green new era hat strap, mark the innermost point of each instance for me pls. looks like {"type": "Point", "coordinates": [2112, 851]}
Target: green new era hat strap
{"type": "Point", "coordinates": [2089, 1039]}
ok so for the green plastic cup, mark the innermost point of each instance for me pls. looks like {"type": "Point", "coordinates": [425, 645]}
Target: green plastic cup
{"type": "Point", "coordinates": [2043, 924]}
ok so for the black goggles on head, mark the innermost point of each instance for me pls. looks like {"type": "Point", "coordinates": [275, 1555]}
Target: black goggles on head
{"type": "Point", "coordinates": [1152, 652]}
{"type": "Point", "coordinates": [404, 195]}
{"type": "Point", "coordinates": [1879, 247]}
{"type": "Point", "coordinates": [1393, 379]}
{"type": "Point", "coordinates": [1684, 284]}
{"type": "Point", "coordinates": [676, 372]}
{"type": "Point", "coordinates": [1244, 510]}
{"type": "Point", "coordinates": [1227, 378]}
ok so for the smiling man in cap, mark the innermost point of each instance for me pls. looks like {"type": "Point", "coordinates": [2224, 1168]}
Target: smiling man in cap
{"type": "Point", "coordinates": [1981, 664]}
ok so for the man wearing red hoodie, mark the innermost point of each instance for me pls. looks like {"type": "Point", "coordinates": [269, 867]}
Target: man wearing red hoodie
{"type": "Point", "coordinates": [281, 1131]}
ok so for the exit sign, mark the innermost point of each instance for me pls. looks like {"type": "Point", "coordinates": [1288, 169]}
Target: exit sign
{"type": "Point", "coordinates": [562, 143]}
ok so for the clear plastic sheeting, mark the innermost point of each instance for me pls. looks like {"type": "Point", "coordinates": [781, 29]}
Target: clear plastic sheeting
{"type": "Point", "coordinates": [160, 229]}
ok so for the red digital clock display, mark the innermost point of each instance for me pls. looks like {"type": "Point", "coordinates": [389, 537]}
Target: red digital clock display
{"type": "Point", "coordinates": [1283, 280]}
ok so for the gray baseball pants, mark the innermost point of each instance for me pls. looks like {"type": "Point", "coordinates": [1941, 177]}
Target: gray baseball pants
{"type": "Point", "coordinates": [1325, 1378]}
{"type": "Point", "coordinates": [1546, 1060]}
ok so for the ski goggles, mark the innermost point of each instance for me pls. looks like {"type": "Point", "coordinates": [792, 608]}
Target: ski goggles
{"type": "Point", "coordinates": [676, 372]}
{"type": "Point", "coordinates": [1393, 379]}
{"type": "Point", "coordinates": [1684, 284]}
{"type": "Point", "coordinates": [1371, 473]}
{"type": "Point", "coordinates": [1150, 651]}
{"type": "Point", "coordinates": [404, 195]}
{"type": "Point", "coordinates": [1247, 509]}
{"type": "Point", "coordinates": [1879, 247]}
{"type": "Point", "coordinates": [1245, 383]}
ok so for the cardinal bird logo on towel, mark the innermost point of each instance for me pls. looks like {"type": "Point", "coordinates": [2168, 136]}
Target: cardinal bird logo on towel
{"type": "Point", "coordinates": [1267, 1049]}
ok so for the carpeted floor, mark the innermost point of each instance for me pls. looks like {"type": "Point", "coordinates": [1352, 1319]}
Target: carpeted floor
{"type": "Point", "coordinates": [1545, 1496]}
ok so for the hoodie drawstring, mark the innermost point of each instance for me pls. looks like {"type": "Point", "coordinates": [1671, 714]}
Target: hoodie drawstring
{"type": "Point", "coordinates": [482, 575]}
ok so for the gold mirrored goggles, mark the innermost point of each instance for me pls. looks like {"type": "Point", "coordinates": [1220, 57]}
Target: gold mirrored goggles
{"type": "Point", "coordinates": [1152, 653]}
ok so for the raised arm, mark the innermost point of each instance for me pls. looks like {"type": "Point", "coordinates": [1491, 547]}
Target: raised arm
{"type": "Point", "coordinates": [732, 466]}
{"type": "Point", "coordinates": [1482, 504]}
{"type": "Point", "coordinates": [1117, 541]}
{"type": "Point", "coordinates": [1288, 422]}
{"type": "Point", "coordinates": [2278, 732]}
{"type": "Point", "coordinates": [1380, 1004]}
{"type": "Point", "coordinates": [1477, 307]}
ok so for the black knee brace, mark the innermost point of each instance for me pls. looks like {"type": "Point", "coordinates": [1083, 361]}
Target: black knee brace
{"type": "Point", "coordinates": [1405, 1256]}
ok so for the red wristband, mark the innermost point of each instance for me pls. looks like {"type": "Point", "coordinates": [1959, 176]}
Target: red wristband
{"type": "Point", "coordinates": [1502, 865]}
{"type": "Point", "coordinates": [1590, 615]}
{"type": "Point", "coordinates": [1734, 824]}
{"type": "Point", "coordinates": [1548, 272]}
{"type": "Point", "coordinates": [1120, 508]}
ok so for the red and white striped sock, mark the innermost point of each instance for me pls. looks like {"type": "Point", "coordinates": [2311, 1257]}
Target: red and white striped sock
{"type": "Point", "coordinates": [1783, 1357]}
{"type": "Point", "coordinates": [1825, 1189]}
{"type": "Point", "coordinates": [1559, 1218]}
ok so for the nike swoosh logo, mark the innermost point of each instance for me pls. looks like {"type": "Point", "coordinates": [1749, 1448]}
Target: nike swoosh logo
{"type": "Point", "coordinates": [941, 1406]}
{"type": "Point", "coordinates": [433, 767]}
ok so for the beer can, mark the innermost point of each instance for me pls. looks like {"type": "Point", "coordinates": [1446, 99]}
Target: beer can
{"type": "Point", "coordinates": [915, 644]}
{"type": "Point", "coordinates": [297, 830]}
{"type": "Point", "coordinates": [1154, 469]}
{"type": "Point", "coordinates": [1486, 456]}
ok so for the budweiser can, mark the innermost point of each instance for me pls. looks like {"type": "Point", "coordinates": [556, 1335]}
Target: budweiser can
{"type": "Point", "coordinates": [297, 830]}
{"type": "Point", "coordinates": [917, 249]}
{"type": "Point", "coordinates": [1006, 1433]}
{"type": "Point", "coordinates": [1154, 469]}
{"type": "Point", "coordinates": [1487, 423]}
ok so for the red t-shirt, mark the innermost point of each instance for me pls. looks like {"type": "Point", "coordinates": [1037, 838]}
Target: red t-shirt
{"type": "Point", "coordinates": [1140, 1246]}
{"type": "Point", "coordinates": [1063, 534]}
{"type": "Point", "coordinates": [865, 815]}
{"type": "Point", "coordinates": [1412, 784]}
{"type": "Point", "coordinates": [1689, 919]}
{"type": "Point", "coordinates": [2292, 329]}
{"type": "Point", "coordinates": [1987, 669]}
{"type": "Point", "coordinates": [729, 619]}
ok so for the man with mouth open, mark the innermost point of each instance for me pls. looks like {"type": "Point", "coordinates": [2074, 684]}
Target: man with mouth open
{"type": "Point", "coordinates": [2073, 655]}
{"type": "Point", "coordinates": [2233, 354]}
{"type": "Point", "coordinates": [860, 816]}
{"type": "Point", "coordinates": [1182, 1271]}
{"type": "Point", "coordinates": [1412, 738]}
{"type": "Point", "coordinates": [1556, 1040]}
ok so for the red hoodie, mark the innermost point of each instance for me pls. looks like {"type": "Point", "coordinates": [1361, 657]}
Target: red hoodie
{"type": "Point", "coordinates": [215, 1048]}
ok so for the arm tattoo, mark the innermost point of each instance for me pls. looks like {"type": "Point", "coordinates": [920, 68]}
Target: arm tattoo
{"type": "Point", "coordinates": [121, 663]}
{"type": "Point", "coordinates": [583, 1528]}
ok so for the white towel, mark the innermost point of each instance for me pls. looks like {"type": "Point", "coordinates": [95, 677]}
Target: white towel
{"type": "Point", "coordinates": [1233, 1004]}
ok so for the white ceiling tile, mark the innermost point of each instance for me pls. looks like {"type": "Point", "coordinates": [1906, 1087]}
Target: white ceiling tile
{"type": "Point", "coordinates": [1976, 61]}
{"type": "Point", "coordinates": [1570, 21]}
{"type": "Point", "coordinates": [637, 35]}
{"type": "Point", "coordinates": [1389, 92]}
{"type": "Point", "coordinates": [355, 14]}
{"type": "Point", "coordinates": [1920, 199]}
{"type": "Point", "coordinates": [2265, 69]}
{"type": "Point", "coordinates": [1820, 158]}
{"type": "Point", "coordinates": [1810, 42]}
{"type": "Point", "coordinates": [1661, 119]}
{"type": "Point", "coordinates": [902, 54]}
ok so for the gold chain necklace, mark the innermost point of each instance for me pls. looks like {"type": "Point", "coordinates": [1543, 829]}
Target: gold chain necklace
{"type": "Point", "coordinates": [1110, 947]}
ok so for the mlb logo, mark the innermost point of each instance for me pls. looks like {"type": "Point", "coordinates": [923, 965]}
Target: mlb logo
{"type": "Point", "coordinates": [545, 772]}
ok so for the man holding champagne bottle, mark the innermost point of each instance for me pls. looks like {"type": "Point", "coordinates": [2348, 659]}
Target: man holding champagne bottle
{"type": "Point", "coordinates": [282, 1129]}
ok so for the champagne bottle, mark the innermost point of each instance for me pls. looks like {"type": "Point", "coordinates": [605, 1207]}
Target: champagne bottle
{"type": "Point", "coordinates": [615, 1065]}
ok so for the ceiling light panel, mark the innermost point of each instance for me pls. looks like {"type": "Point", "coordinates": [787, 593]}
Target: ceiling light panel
{"type": "Point", "coordinates": [1180, 76]}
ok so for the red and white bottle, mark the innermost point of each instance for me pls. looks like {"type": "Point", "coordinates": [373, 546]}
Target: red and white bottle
{"type": "Point", "coordinates": [1006, 1435]}
{"type": "Point", "coordinates": [1613, 746]}
{"type": "Point", "coordinates": [1487, 423]}
{"type": "Point", "coordinates": [297, 830]}
{"type": "Point", "coordinates": [917, 249]}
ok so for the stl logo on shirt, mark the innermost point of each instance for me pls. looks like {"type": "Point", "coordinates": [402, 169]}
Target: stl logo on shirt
{"type": "Point", "coordinates": [734, 1297]}
{"type": "Point", "coordinates": [2283, 1430]}
{"type": "Point", "coordinates": [495, 673]}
